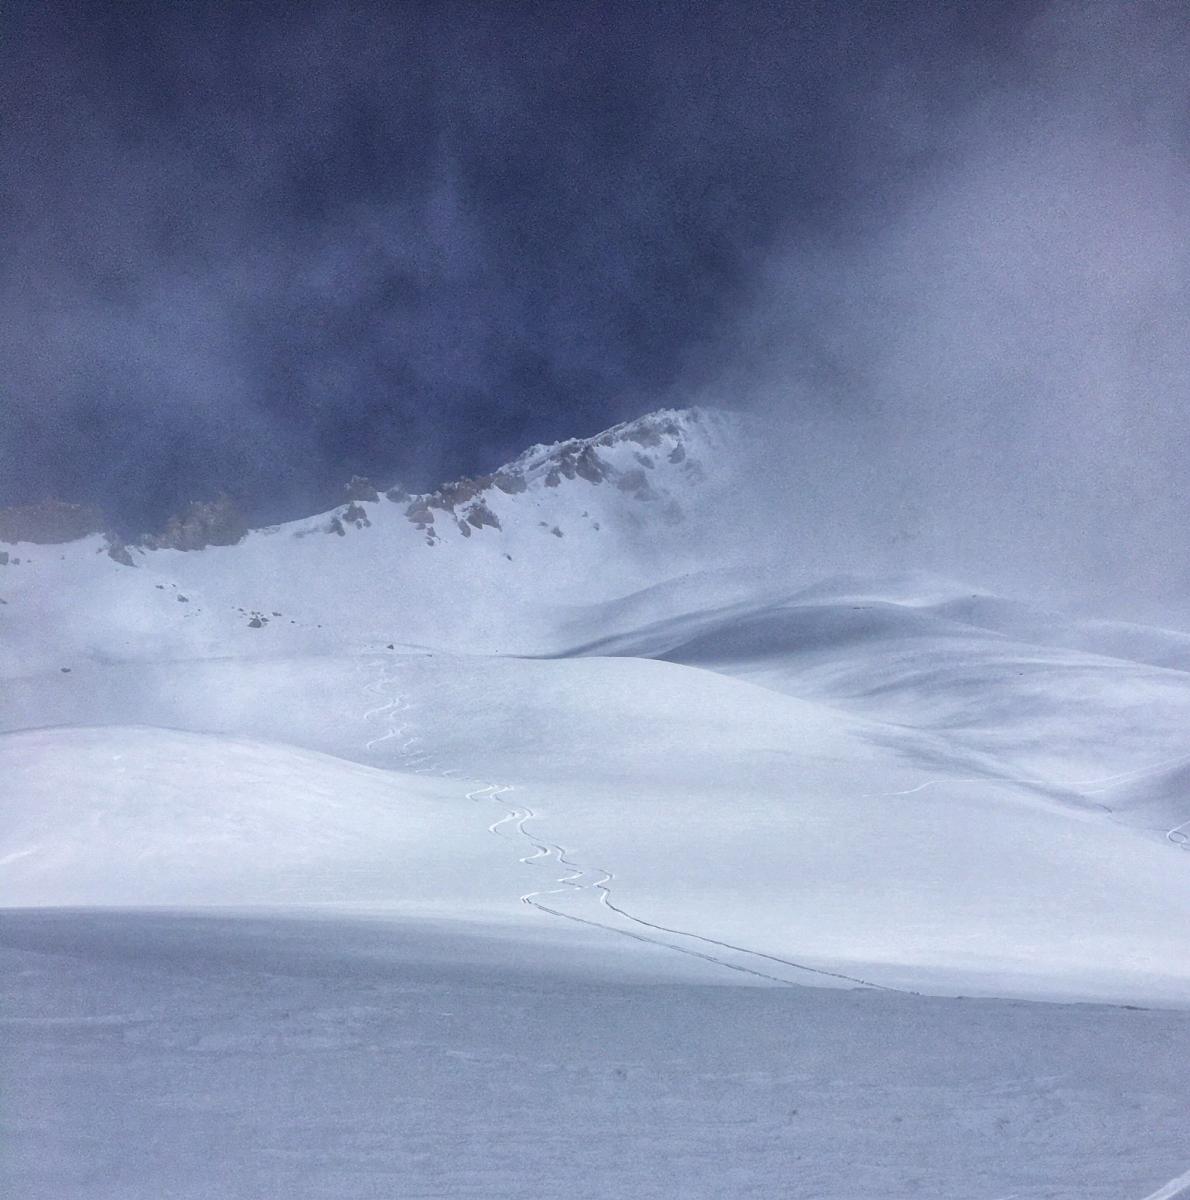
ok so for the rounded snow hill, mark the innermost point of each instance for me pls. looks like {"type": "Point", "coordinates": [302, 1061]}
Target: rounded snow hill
{"type": "Point", "coordinates": [115, 815]}
{"type": "Point", "coordinates": [699, 812]}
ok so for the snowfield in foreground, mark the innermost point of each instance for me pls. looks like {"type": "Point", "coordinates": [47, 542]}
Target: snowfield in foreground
{"type": "Point", "coordinates": [151, 1055]}
{"type": "Point", "coordinates": [488, 844]}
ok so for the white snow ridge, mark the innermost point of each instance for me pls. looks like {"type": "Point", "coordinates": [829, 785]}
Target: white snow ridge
{"type": "Point", "coordinates": [514, 840]}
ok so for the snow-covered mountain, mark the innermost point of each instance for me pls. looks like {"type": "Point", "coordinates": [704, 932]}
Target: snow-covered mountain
{"type": "Point", "coordinates": [551, 729]}
{"type": "Point", "coordinates": [473, 565]}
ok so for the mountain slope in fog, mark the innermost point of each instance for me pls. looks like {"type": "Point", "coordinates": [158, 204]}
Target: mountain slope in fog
{"type": "Point", "coordinates": [473, 565]}
{"type": "Point", "coordinates": [896, 779]}
{"type": "Point", "coordinates": [399, 847]}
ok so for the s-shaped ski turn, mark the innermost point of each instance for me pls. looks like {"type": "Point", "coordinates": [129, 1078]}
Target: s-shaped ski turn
{"type": "Point", "coordinates": [580, 879]}
{"type": "Point", "coordinates": [575, 880]}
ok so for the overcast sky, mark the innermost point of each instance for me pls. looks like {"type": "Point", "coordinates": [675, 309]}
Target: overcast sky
{"type": "Point", "coordinates": [261, 247]}
{"type": "Point", "coordinates": [940, 249]}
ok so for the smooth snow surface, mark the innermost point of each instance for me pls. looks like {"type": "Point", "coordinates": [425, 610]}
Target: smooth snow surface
{"type": "Point", "coordinates": [503, 842]}
{"type": "Point", "coordinates": [153, 1055]}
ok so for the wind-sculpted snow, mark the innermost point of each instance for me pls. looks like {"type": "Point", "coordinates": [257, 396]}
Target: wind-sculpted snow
{"type": "Point", "coordinates": [546, 739]}
{"type": "Point", "coordinates": [722, 809]}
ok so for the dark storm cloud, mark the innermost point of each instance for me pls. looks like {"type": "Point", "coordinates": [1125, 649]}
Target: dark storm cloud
{"type": "Point", "coordinates": [260, 247]}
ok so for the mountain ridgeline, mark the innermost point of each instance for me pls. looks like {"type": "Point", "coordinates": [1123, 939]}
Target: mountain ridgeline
{"type": "Point", "coordinates": [624, 457]}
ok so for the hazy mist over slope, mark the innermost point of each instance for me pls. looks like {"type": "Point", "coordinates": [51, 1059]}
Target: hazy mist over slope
{"type": "Point", "coordinates": [939, 259]}
{"type": "Point", "coordinates": [993, 383]}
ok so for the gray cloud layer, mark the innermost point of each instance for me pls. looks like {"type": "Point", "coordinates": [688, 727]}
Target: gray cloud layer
{"type": "Point", "coordinates": [995, 381]}
{"type": "Point", "coordinates": [261, 247]}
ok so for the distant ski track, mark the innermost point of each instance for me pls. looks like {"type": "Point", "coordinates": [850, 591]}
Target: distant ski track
{"type": "Point", "coordinates": [1178, 835]}
{"type": "Point", "coordinates": [389, 710]}
{"type": "Point", "coordinates": [1082, 785]}
{"type": "Point", "coordinates": [1175, 1187]}
{"type": "Point", "coordinates": [517, 817]}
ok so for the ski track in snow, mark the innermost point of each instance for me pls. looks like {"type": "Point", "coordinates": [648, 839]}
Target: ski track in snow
{"type": "Point", "coordinates": [388, 711]}
{"type": "Point", "coordinates": [577, 877]}
{"type": "Point", "coordinates": [1178, 835]}
{"type": "Point", "coordinates": [1175, 1187]}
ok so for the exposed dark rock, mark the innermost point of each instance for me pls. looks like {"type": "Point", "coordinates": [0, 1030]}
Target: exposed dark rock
{"type": "Point", "coordinates": [590, 466]}
{"type": "Point", "coordinates": [480, 515]}
{"type": "Point", "coordinates": [357, 515]}
{"type": "Point", "coordinates": [336, 526]}
{"type": "Point", "coordinates": [552, 478]}
{"type": "Point", "coordinates": [3, 558]}
{"type": "Point", "coordinates": [361, 489]}
{"type": "Point", "coordinates": [398, 495]}
{"type": "Point", "coordinates": [510, 483]}
{"type": "Point", "coordinates": [49, 523]}
{"type": "Point", "coordinates": [464, 528]}
{"type": "Point", "coordinates": [183, 599]}
{"type": "Point", "coordinates": [678, 454]}
{"type": "Point", "coordinates": [649, 431]}
{"type": "Point", "coordinates": [634, 482]}
{"type": "Point", "coordinates": [450, 495]}
{"type": "Point", "coordinates": [644, 460]}
{"type": "Point", "coordinates": [204, 523]}
{"type": "Point", "coordinates": [419, 513]}
{"type": "Point", "coordinates": [118, 552]}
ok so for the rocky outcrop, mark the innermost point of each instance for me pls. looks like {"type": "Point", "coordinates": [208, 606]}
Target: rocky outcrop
{"type": "Point", "coordinates": [204, 523]}
{"type": "Point", "coordinates": [118, 552]}
{"type": "Point", "coordinates": [510, 484]}
{"type": "Point", "coordinates": [590, 459]}
{"type": "Point", "coordinates": [50, 523]}
{"type": "Point", "coordinates": [361, 489]}
{"type": "Point", "coordinates": [480, 515]}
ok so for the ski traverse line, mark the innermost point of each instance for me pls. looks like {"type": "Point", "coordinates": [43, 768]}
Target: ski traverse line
{"type": "Point", "coordinates": [531, 898]}
{"type": "Point", "coordinates": [494, 792]}
{"type": "Point", "coordinates": [517, 816]}
{"type": "Point", "coordinates": [1099, 781]}
{"type": "Point", "coordinates": [1179, 835]}
{"type": "Point", "coordinates": [606, 901]}
{"type": "Point", "coordinates": [640, 937]}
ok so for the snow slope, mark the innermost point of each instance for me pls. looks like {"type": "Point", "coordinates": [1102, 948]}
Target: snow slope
{"type": "Point", "coordinates": [718, 807]}
{"type": "Point", "coordinates": [544, 736]}
{"type": "Point", "coordinates": [580, 519]}
{"type": "Point", "coordinates": [189, 1056]}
